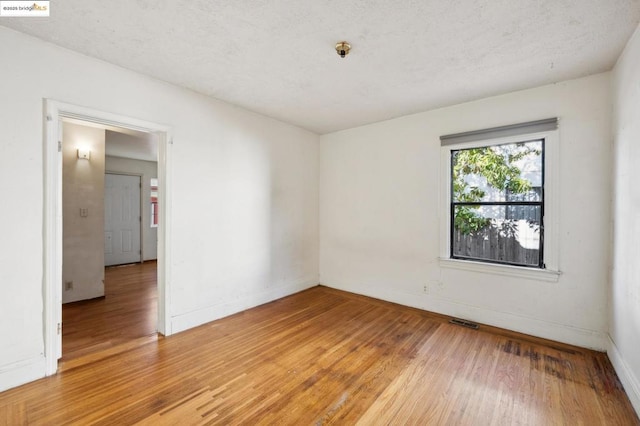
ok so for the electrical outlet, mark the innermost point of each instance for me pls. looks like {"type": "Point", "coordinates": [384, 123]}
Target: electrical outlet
{"type": "Point", "coordinates": [68, 285]}
{"type": "Point", "coordinates": [425, 289]}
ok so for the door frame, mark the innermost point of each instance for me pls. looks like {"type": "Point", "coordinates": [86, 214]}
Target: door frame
{"type": "Point", "coordinates": [107, 172]}
{"type": "Point", "coordinates": [54, 112]}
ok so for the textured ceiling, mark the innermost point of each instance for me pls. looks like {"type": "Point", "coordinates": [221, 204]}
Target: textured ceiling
{"type": "Point", "coordinates": [277, 57]}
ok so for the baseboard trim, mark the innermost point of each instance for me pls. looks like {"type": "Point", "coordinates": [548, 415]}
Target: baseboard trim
{"type": "Point", "coordinates": [211, 313]}
{"type": "Point", "coordinates": [591, 339]}
{"type": "Point", "coordinates": [22, 372]}
{"type": "Point", "coordinates": [630, 382]}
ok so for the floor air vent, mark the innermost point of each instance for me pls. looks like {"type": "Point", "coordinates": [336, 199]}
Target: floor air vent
{"type": "Point", "coordinates": [464, 323]}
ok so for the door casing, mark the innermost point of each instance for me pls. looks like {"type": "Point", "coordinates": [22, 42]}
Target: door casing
{"type": "Point", "coordinates": [54, 112]}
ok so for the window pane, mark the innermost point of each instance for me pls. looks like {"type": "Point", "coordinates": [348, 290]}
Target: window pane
{"type": "Point", "coordinates": [508, 234]}
{"type": "Point", "coordinates": [154, 202]}
{"type": "Point", "coordinates": [510, 172]}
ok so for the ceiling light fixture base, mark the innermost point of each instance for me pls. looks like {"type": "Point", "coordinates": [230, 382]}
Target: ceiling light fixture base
{"type": "Point", "coordinates": [343, 48]}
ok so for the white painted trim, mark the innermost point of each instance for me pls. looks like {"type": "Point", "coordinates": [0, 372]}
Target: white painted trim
{"type": "Point", "coordinates": [630, 382]}
{"type": "Point", "coordinates": [22, 372]}
{"type": "Point", "coordinates": [577, 336]}
{"type": "Point", "coordinates": [212, 313]}
{"type": "Point", "coordinates": [551, 205]}
{"type": "Point", "coordinates": [52, 237]}
{"type": "Point", "coordinates": [54, 111]}
{"type": "Point", "coordinates": [165, 179]}
{"type": "Point", "coordinates": [497, 269]}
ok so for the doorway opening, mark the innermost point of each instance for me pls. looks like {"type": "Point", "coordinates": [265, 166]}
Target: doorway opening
{"type": "Point", "coordinates": [56, 114]}
{"type": "Point", "coordinates": [107, 224]}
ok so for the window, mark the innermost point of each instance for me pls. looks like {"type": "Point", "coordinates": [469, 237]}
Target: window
{"type": "Point", "coordinates": [499, 200]}
{"type": "Point", "coordinates": [497, 203]}
{"type": "Point", "coordinates": [154, 202]}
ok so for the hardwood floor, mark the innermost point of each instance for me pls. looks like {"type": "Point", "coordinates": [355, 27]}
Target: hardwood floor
{"type": "Point", "coordinates": [126, 313]}
{"type": "Point", "coordinates": [328, 357]}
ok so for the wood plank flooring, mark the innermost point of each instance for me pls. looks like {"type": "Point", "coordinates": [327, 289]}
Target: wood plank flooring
{"type": "Point", "coordinates": [324, 356]}
{"type": "Point", "coordinates": [126, 313]}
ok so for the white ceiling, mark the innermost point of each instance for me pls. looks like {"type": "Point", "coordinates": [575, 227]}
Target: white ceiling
{"type": "Point", "coordinates": [277, 57]}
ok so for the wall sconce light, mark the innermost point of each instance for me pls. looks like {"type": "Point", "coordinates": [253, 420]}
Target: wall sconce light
{"type": "Point", "coordinates": [84, 154]}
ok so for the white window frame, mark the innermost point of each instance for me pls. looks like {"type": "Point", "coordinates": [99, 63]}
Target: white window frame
{"type": "Point", "coordinates": [551, 271]}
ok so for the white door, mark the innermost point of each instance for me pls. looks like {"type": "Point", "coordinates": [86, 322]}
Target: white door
{"type": "Point", "coordinates": [121, 219]}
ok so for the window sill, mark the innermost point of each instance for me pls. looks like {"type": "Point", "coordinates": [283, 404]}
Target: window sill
{"type": "Point", "coordinates": [511, 271]}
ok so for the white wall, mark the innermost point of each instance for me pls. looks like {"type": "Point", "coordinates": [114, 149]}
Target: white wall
{"type": "Point", "coordinates": [379, 214]}
{"type": "Point", "coordinates": [624, 322]}
{"type": "Point", "coordinates": [83, 236]}
{"type": "Point", "coordinates": [245, 194]}
{"type": "Point", "coordinates": [147, 170]}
